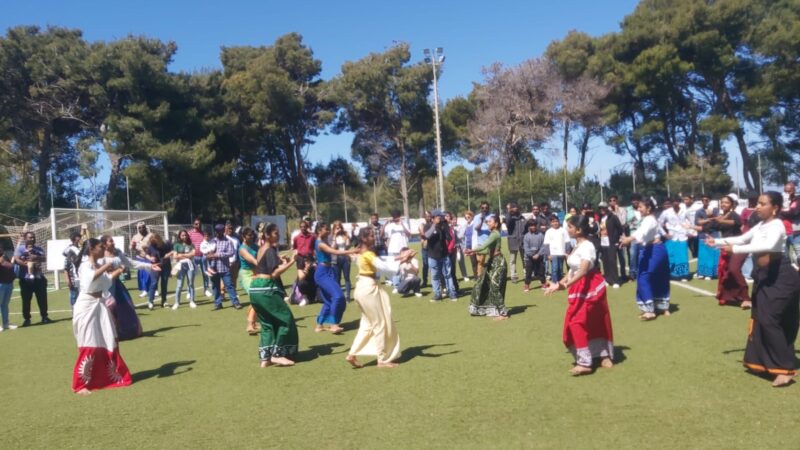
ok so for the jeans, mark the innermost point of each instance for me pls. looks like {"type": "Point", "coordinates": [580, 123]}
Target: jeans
{"type": "Point", "coordinates": [229, 288]}
{"type": "Point", "coordinates": [152, 287]}
{"type": "Point", "coordinates": [633, 257]}
{"type": "Point", "coordinates": [28, 288]}
{"type": "Point", "coordinates": [73, 295]}
{"type": "Point", "coordinates": [747, 267]}
{"type": "Point", "coordinates": [199, 266]}
{"type": "Point", "coordinates": [557, 265]}
{"type": "Point", "coordinates": [343, 263]}
{"type": "Point", "coordinates": [441, 269]}
{"type": "Point", "coordinates": [5, 298]}
{"type": "Point", "coordinates": [188, 275]}
{"type": "Point", "coordinates": [512, 263]}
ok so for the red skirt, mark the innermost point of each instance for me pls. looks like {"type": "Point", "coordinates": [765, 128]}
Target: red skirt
{"type": "Point", "coordinates": [732, 286]}
{"type": "Point", "coordinates": [98, 368]}
{"type": "Point", "coordinates": [587, 324]}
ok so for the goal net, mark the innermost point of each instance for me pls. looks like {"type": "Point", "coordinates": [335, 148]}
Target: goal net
{"type": "Point", "coordinates": [53, 233]}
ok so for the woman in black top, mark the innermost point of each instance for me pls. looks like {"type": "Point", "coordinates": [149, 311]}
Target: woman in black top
{"type": "Point", "coordinates": [732, 287]}
{"type": "Point", "coordinates": [279, 338]}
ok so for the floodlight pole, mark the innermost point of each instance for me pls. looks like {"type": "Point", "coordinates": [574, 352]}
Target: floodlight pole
{"type": "Point", "coordinates": [344, 196]}
{"type": "Point", "coordinates": [434, 60]}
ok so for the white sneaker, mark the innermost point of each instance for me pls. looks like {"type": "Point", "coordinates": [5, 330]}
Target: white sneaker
{"type": "Point", "coordinates": [142, 294]}
{"type": "Point", "coordinates": [175, 306]}
{"type": "Point", "coordinates": [394, 291]}
{"type": "Point", "coordinates": [417, 294]}
{"type": "Point", "coordinates": [11, 327]}
{"type": "Point", "coordinates": [615, 286]}
{"type": "Point", "coordinates": [303, 302]}
{"type": "Point", "coordinates": [208, 293]}
{"type": "Point", "coordinates": [388, 282]}
{"type": "Point", "coordinates": [466, 279]}
{"type": "Point", "coordinates": [684, 280]}
{"type": "Point", "coordinates": [192, 305]}
{"type": "Point", "coordinates": [150, 306]}
{"type": "Point", "coordinates": [188, 296]}
{"type": "Point", "coordinates": [156, 293]}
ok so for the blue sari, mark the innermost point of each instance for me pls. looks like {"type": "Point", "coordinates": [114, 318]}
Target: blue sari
{"type": "Point", "coordinates": [707, 260]}
{"type": "Point", "coordinates": [652, 282]}
{"type": "Point", "coordinates": [678, 254]}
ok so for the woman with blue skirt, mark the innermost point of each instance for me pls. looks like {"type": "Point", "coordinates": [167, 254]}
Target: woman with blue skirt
{"type": "Point", "coordinates": [652, 282]}
{"type": "Point", "coordinates": [124, 312]}
{"type": "Point", "coordinates": [326, 278]}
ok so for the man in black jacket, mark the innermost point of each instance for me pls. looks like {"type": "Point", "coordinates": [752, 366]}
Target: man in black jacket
{"type": "Point", "coordinates": [610, 233]}
{"type": "Point", "coordinates": [438, 257]}
{"type": "Point", "coordinates": [516, 227]}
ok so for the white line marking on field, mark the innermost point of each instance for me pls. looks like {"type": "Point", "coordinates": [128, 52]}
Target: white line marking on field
{"type": "Point", "coordinates": [693, 289]}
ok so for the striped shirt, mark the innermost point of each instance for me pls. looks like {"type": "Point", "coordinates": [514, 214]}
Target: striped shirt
{"type": "Point", "coordinates": [225, 249]}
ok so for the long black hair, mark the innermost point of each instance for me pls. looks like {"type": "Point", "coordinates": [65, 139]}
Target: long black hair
{"type": "Point", "coordinates": [90, 244]}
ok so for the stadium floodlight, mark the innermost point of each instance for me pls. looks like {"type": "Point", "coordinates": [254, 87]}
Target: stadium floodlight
{"type": "Point", "coordinates": [436, 58]}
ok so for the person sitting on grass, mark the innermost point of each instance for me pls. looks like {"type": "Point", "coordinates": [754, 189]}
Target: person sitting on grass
{"type": "Point", "coordinates": [409, 274]}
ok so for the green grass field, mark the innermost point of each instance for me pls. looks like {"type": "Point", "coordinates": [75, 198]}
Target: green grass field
{"type": "Point", "coordinates": [463, 382]}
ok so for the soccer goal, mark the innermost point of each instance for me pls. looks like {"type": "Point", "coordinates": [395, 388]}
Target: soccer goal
{"type": "Point", "coordinates": [53, 233]}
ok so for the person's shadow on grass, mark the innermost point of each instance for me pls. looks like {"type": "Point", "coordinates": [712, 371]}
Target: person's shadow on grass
{"type": "Point", "coordinates": [315, 351]}
{"type": "Point", "coordinates": [619, 354]}
{"type": "Point", "coordinates": [166, 370]}
{"type": "Point", "coordinates": [154, 333]}
{"type": "Point", "coordinates": [519, 309]}
{"type": "Point", "coordinates": [419, 351]}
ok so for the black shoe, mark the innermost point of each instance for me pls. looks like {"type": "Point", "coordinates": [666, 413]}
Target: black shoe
{"type": "Point", "coordinates": [26, 323]}
{"type": "Point", "coordinates": [47, 320]}
{"type": "Point", "coordinates": [238, 306]}
{"type": "Point", "coordinates": [216, 307]}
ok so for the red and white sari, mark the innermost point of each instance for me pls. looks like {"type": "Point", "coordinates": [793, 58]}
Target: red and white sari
{"type": "Point", "coordinates": [99, 363]}
{"type": "Point", "coordinates": [587, 323]}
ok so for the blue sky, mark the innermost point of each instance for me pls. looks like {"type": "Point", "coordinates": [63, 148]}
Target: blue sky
{"type": "Point", "coordinates": [473, 34]}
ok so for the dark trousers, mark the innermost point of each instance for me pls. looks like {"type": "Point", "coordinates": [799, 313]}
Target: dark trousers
{"type": "Point", "coordinates": [453, 275]}
{"type": "Point", "coordinates": [621, 251]}
{"type": "Point", "coordinates": [474, 260]}
{"type": "Point", "coordinates": [409, 286]}
{"type": "Point", "coordinates": [425, 268]}
{"type": "Point", "coordinates": [534, 269]}
{"type": "Point", "coordinates": [609, 257]}
{"type": "Point", "coordinates": [693, 244]}
{"type": "Point", "coordinates": [27, 289]}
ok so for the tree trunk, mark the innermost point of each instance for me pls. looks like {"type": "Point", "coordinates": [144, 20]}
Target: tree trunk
{"type": "Point", "coordinates": [113, 177]}
{"type": "Point", "coordinates": [566, 141]}
{"type": "Point", "coordinates": [585, 147]}
{"type": "Point", "coordinates": [403, 175]}
{"type": "Point", "coordinates": [45, 151]}
{"type": "Point", "coordinates": [749, 171]}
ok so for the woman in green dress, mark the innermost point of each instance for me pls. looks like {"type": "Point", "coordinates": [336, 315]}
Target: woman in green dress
{"type": "Point", "coordinates": [489, 292]}
{"type": "Point", "coordinates": [279, 338]}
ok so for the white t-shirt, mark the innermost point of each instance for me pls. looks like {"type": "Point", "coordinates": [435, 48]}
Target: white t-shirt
{"type": "Point", "coordinates": [395, 237]}
{"type": "Point", "coordinates": [557, 239]}
{"type": "Point", "coordinates": [762, 238]}
{"type": "Point", "coordinates": [406, 272]}
{"type": "Point", "coordinates": [583, 252]}
{"type": "Point", "coordinates": [674, 222]}
{"type": "Point", "coordinates": [648, 230]}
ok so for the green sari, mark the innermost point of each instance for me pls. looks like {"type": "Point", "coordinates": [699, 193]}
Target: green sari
{"type": "Point", "coordinates": [278, 331]}
{"type": "Point", "coordinates": [489, 292]}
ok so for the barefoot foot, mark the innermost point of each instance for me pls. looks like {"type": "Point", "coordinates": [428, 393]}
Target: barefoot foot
{"type": "Point", "coordinates": [579, 370]}
{"type": "Point", "coordinates": [265, 364]}
{"type": "Point", "coordinates": [747, 305]}
{"type": "Point", "coordinates": [354, 362]}
{"type": "Point", "coordinates": [666, 313]}
{"type": "Point", "coordinates": [606, 363]}
{"type": "Point", "coordinates": [783, 380]}
{"type": "Point", "coordinates": [336, 329]}
{"type": "Point", "coordinates": [497, 318]}
{"type": "Point", "coordinates": [84, 392]}
{"type": "Point", "coordinates": [647, 316]}
{"type": "Point", "coordinates": [387, 365]}
{"type": "Point", "coordinates": [281, 361]}
{"type": "Point", "coordinates": [319, 329]}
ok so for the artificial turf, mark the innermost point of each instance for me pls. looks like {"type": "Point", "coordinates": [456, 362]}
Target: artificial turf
{"type": "Point", "coordinates": [463, 382]}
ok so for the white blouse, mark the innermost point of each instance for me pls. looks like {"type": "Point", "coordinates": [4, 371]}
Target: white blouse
{"type": "Point", "coordinates": [648, 230]}
{"type": "Point", "coordinates": [89, 284]}
{"type": "Point", "coordinates": [583, 252]}
{"type": "Point", "coordinates": [767, 237]}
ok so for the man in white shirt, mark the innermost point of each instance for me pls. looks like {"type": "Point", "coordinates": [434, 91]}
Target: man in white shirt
{"type": "Point", "coordinates": [396, 234]}
{"type": "Point", "coordinates": [674, 222]}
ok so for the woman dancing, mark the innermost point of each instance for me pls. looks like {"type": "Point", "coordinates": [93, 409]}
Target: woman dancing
{"type": "Point", "coordinates": [377, 335]}
{"type": "Point", "coordinates": [731, 287]}
{"type": "Point", "coordinates": [99, 363]}
{"type": "Point", "coordinates": [489, 292]}
{"type": "Point", "coordinates": [776, 292]}
{"type": "Point", "coordinates": [587, 324]}
{"type": "Point", "coordinates": [247, 255]}
{"type": "Point", "coordinates": [652, 282]}
{"type": "Point", "coordinates": [326, 279]}
{"type": "Point", "coordinates": [279, 338]}
{"type": "Point", "coordinates": [126, 319]}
